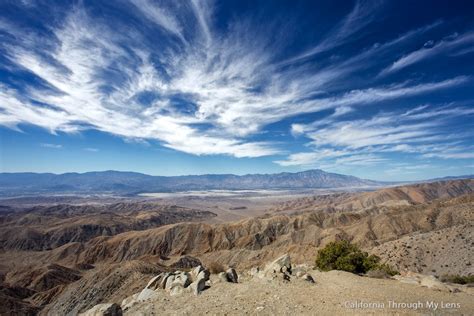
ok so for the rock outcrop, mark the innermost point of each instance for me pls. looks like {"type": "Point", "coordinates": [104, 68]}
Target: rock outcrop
{"type": "Point", "coordinates": [108, 309]}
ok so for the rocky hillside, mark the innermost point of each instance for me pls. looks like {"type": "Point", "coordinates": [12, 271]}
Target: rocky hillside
{"type": "Point", "coordinates": [402, 195]}
{"type": "Point", "coordinates": [46, 227]}
{"type": "Point", "coordinates": [281, 288]}
{"type": "Point", "coordinates": [39, 272]}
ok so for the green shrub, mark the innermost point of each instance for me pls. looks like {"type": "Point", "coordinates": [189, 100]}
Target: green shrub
{"type": "Point", "coordinates": [342, 255]}
{"type": "Point", "coordinates": [468, 279]}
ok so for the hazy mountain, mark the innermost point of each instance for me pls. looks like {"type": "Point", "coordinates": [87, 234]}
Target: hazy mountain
{"type": "Point", "coordinates": [132, 182]}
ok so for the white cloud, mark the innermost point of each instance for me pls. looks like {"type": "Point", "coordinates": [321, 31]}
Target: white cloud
{"type": "Point", "coordinates": [159, 15]}
{"type": "Point", "coordinates": [366, 141]}
{"type": "Point", "coordinates": [229, 84]}
{"type": "Point", "coordinates": [429, 51]}
{"type": "Point", "coordinates": [53, 146]}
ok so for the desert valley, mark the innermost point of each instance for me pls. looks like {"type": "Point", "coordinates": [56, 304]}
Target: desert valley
{"type": "Point", "coordinates": [66, 253]}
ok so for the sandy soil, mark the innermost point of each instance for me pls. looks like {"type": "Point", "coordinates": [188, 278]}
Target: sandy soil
{"type": "Point", "coordinates": [334, 293]}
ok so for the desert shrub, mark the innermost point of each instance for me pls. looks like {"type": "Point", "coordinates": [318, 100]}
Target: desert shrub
{"type": "Point", "coordinates": [342, 255]}
{"type": "Point", "coordinates": [216, 267]}
{"type": "Point", "coordinates": [387, 269]}
{"type": "Point", "coordinates": [468, 279]}
{"type": "Point", "coordinates": [381, 271]}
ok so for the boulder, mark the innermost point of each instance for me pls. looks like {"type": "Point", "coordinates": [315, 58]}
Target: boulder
{"type": "Point", "coordinates": [154, 283]}
{"type": "Point", "coordinates": [129, 301]}
{"type": "Point", "coordinates": [146, 294]}
{"type": "Point", "coordinates": [183, 279]}
{"type": "Point", "coordinates": [164, 279]}
{"type": "Point", "coordinates": [176, 289]}
{"type": "Point", "coordinates": [204, 274]}
{"type": "Point", "coordinates": [308, 277]}
{"type": "Point", "coordinates": [222, 277]}
{"type": "Point", "coordinates": [169, 281]}
{"type": "Point", "coordinates": [282, 265]}
{"type": "Point", "coordinates": [232, 275]}
{"type": "Point", "coordinates": [108, 309]}
{"type": "Point", "coordinates": [196, 271]}
{"type": "Point", "coordinates": [198, 286]}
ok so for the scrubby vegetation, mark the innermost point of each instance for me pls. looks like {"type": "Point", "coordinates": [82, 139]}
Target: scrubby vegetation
{"type": "Point", "coordinates": [468, 279]}
{"type": "Point", "coordinates": [342, 255]}
{"type": "Point", "coordinates": [216, 267]}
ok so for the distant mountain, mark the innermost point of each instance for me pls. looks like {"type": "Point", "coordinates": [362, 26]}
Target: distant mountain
{"type": "Point", "coordinates": [132, 182]}
{"type": "Point", "coordinates": [468, 176]}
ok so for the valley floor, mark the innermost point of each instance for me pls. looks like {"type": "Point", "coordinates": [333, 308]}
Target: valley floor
{"type": "Point", "coordinates": [334, 293]}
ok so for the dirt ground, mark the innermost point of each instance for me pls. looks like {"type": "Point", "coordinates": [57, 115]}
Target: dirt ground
{"type": "Point", "coordinates": [334, 293]}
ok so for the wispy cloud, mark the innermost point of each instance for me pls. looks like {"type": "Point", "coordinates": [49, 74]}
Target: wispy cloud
{"type": "Point", "coordinates": [431, 49]}
{"type": "Point", "coordinates": [366, 141]}
{"type": "Point", "coordinates": [199, 90]}
{"type": "Point", "coordinates": [91, 149]}
{"type": "Point", "coordinates": [53, 146]}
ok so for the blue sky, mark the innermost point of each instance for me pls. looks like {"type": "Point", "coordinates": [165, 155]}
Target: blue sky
{"type": "Point", "coordinates": [375, 89]}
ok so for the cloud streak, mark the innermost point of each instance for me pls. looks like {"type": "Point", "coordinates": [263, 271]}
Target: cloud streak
{"type": "Point", "coordinates": [197, 89]}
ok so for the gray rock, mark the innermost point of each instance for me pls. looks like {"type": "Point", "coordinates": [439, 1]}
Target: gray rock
{"type": "Point", "coordinates": [129, 301]}
{"type": "Point", "coordinates": [222, 276]}
{"type": "Point", "coordinates": [204, 274]}
{"type": "Point", "coordinates": [198, 286]}
{"type": "Point", "coordinates": [164, 279]}
{"type": "Point", "coordinates": [146, 294]}
{"type": "Point", "coordinates": [176, 289]}
{"type": "Point", "coordinates": [154, 283]}
{"type": "Point", "coordinates": [183, 279]}
{"type": "Point", "coordinates": [308, 278]}
{"type": "Point", "coordinates": [232, 275]}
{"type": "Point", "coordinates": [169, 281]}
{"type": "Point", "coordinates": [195, 272]}
{"type": "Point", "coordinates": [108, 309]}
{"type": "Point", "coordinates": [280, 264]}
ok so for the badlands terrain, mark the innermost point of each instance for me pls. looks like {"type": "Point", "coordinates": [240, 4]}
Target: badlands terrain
{"type": "Point", "coordinates": [65, 254]}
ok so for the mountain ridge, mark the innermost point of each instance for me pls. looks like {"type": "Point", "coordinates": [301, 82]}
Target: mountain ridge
{"type": "Point", "coordinates": [133, 182]}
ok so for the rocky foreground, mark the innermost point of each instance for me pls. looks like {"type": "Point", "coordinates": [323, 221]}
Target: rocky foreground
{"type": "Point", "coordinates": [283, 289]}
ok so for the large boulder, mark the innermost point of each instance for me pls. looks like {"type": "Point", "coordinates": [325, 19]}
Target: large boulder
{"type": "Point", "coordinates": [130, 301]}
{"type": "Point", "coordinates": [183, 279]}
{"type": "Point", "coordinates": [164, 279]}
{"type": "Point", "coordinates": [108, 309]}
{"type": "Point", "coordinates": [198, 286]}
{"type": "Point", "coordinates": [155, 282]}
{"type": "Point", "coordinates": [204, 274]}
{"type": "Point", "coordinates": [169, 281]}
{"type": "Point", "coordinates": [232, 275]}
{"type": "Point", "coordinates": [280, 265]}
{"type": "Point", "coordinates": [147, 294]}
{"type": "Point", "coordinates": [176, 289]}
{"type": "Point", "coordinates": [195, 272]}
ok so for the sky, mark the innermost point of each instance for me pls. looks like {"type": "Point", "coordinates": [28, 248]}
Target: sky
{"type": "Point", "coordinates": [377, 89]}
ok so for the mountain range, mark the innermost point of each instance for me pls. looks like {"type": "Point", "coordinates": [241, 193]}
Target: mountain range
{"type": "Point", "coordinates": [132, 182]}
